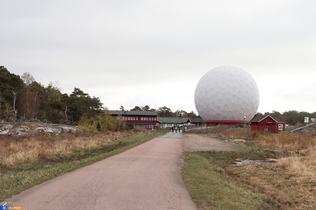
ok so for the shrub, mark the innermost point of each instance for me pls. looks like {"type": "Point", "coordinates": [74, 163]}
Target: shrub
{"type": "Point", "coordinates": [103, 122]}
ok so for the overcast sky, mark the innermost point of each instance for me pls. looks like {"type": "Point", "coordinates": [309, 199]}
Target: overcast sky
{"type": "Point", "coordinates": [137, 53]}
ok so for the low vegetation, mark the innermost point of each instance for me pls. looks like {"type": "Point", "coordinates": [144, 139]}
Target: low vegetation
{"type": "Point", "coordinates": [283, 176]}
{"type": "Point", "coordinates": [31, 160]}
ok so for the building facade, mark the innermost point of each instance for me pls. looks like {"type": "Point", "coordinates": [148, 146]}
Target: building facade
{"type": "Point", "coordinates": [197, 121]}
{"type": "Point", "coordinates": [169, 122]}
{"type": "Point", "coordinates": [266, 123]}
{"type": "Point", "coordinates": [145, 119]}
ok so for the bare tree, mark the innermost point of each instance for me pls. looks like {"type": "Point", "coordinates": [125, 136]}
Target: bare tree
{"type": "Point", "coordinates": [27, 79]}
{"type": "Point", "coordinates": [14, 102]}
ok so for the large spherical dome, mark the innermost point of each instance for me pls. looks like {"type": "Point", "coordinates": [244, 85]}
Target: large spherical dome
{"type": "Point", "coordinates": [226, 94]}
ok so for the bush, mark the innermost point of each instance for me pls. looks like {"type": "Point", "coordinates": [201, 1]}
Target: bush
{"type": "Point", "coordinates": [103, 122]}
{"type": "Point", "coordinates": [139, 130]}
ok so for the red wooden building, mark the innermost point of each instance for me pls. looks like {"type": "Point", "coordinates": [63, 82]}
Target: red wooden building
{"type": "Point", "coordinates": [266, 123]}
{"type": "Point", "coordinates": [143, 119]}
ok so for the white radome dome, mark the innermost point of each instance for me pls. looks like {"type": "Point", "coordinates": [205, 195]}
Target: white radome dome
{"type": "Point", "coordinates": [227, 93]}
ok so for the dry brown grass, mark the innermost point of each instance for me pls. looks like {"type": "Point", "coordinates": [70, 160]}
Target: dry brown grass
{"type": "Point", "coordinates": [286, 140]}
{"type": "Point", "coordinates": [302, 164]}
{"type": "Point", "coordinates": [237, 133]}
{"type": "Point", "coordinates": [15, 150]}
{"type": "Point", "coordinates": [291, 181]}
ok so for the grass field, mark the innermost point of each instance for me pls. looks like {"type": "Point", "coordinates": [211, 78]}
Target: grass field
{"type": "Point", "coordinates": [211, 189]}
{"type": "Point", "coordinates": [215, 182]}
{"type": "Point", "coordinates": [28, 161]}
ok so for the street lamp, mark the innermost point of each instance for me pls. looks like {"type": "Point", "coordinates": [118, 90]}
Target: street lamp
{"type": "Point", "coordinates": [244, 127]}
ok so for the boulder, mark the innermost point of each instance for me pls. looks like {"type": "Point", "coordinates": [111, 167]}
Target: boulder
{"type": "Point", "coordinates": [6, 127]}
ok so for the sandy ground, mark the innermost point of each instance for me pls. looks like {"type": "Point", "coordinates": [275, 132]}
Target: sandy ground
{"type": "Point", "coordinates": [145, 177]}
{"type": "Point", "coordinates": [194, 142]}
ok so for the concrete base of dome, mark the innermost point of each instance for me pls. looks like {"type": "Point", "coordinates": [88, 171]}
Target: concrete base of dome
{"type": "Point", "coordinates": [211, 123]}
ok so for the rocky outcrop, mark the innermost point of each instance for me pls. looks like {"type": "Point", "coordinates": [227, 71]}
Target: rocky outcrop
{"type": "Point", "coordinates": [29, 129]}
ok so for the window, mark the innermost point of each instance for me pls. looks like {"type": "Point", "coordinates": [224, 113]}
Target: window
{"type": "Point", "coordinates": [280, 127]}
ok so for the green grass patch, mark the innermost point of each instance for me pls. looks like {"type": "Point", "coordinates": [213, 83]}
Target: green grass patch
{"type": "Point", "coordinates": [210, 188]}
{"type": "Point", "coordinates": [20, 177]}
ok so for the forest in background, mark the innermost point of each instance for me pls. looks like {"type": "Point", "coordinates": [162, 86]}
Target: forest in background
{"type": "Point", "coordinates": [21, 97]}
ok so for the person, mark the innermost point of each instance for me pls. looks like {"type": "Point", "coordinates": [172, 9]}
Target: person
{"type": "Point", "coordinates": [172, 129]}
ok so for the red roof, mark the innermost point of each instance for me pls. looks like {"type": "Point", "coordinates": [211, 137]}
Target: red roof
{"type": "Point", "coordinates": [258, 119]}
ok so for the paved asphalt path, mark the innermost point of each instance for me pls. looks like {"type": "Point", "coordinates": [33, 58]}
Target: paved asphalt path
{"type": "Point", "coordinates": [146, 177]}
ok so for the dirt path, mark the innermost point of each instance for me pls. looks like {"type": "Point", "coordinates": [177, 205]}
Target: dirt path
{"type": "Point", "coordinates": [194, 142]}
{"type": "Point", "coordinates": [145, 177]}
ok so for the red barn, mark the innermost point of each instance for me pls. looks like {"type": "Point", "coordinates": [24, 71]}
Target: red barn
{"type": "Point", "coordinates": [144, 119]}
{"type": "Point", "coordinates": [266, 123]}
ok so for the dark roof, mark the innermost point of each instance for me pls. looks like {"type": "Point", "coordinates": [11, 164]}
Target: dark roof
{"type": "Point", "coordinates": [172, 120]}
{"type": "Point", "coordinates": [259, 118]}
{"type": "Point", "coordinates": [196, 120]}
{"type": "Point", "coordinates": [133, 113]}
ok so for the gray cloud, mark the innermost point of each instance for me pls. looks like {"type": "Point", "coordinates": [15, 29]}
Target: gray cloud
{"type": "Point", "coordinates": [147, 52]}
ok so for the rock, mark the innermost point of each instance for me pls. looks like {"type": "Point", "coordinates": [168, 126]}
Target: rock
{"type": "Point", "coordinates": [39, 130]}
{"type": "Point", "coordinates": [34, 128]}
{"type": "Point", "coordinates": [68, 129]}
{"type": "Point", "coordinates": [271, 160]}
{"type": "Point", "coordinates": [52, 130]}
{"type": "Point", "coordinates": [5, 132]}
{"type": "Point", "coordinates": [22, 130]}
{"type": "Point", "coordinates": [245, 162]}
{"type": "Point", "coordinates": [6, 127]}
{"type": "Point", "coordinates": [237, 140]}
{"type": "Point", "coordinates": [11, 119]}
{"type": "Point", "coordinates": [240, 162]}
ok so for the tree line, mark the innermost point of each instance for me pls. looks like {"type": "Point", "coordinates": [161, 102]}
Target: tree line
{"type": "Point", "coordinates": [21, 97]}
{"type": "Point", "coordinates": [163, 111]}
